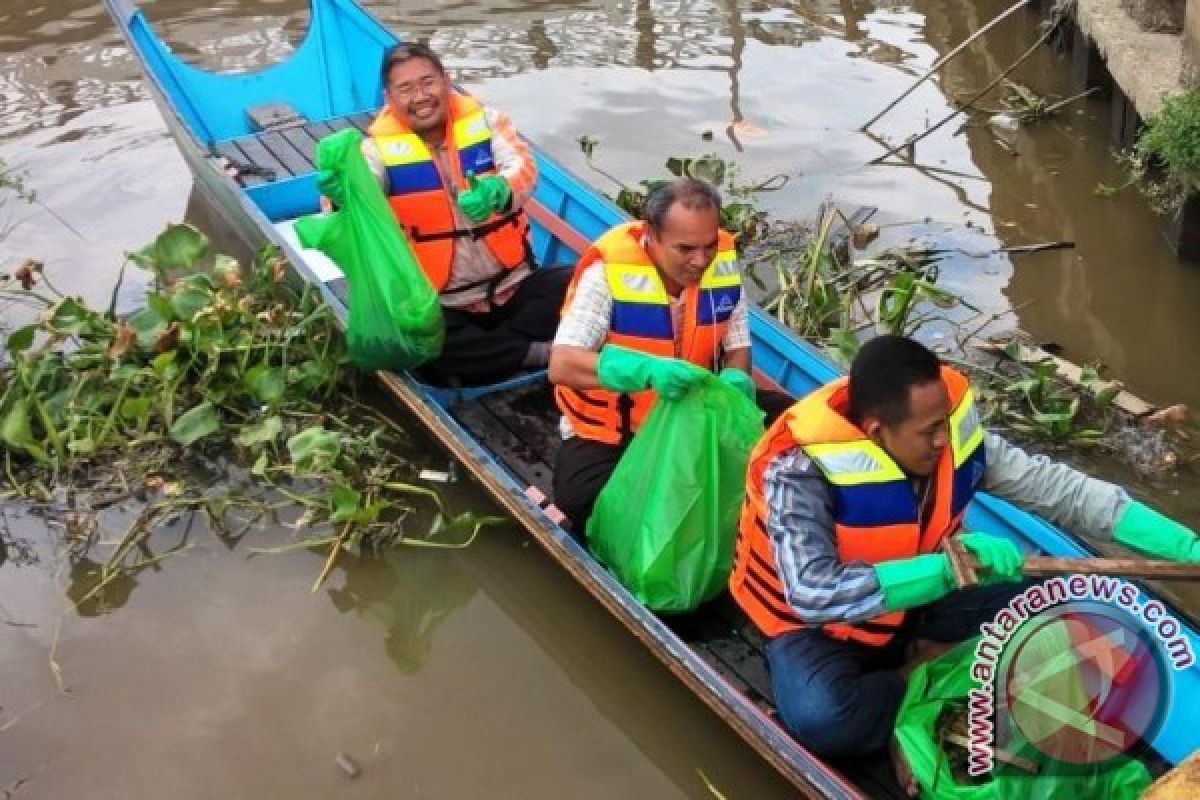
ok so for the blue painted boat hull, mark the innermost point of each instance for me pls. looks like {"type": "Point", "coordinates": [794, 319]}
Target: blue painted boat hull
{"type": "Point", "coordinates": [332, 75]}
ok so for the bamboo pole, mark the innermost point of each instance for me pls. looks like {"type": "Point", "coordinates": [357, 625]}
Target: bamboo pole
{"type": "Point", "coordinates": [941, 62]}
{"type": "Point", "coordinates": [912, 140]}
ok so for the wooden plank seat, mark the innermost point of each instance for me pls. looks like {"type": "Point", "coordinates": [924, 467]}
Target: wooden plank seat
{"type": "Point", "coordinates": [281, 153]}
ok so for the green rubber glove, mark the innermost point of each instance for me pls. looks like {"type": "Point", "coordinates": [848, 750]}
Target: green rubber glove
{"type": "Point", "coordinates": [911, 582]}
{"type": "Point", "coordinates": [739, 380]}
{"type": "Point", "coordinates": [1143, 529]}
{"type": "Point", "coordinates": [484, 196]}
{"type": "Point", "coordinates": [623, 370]}
{"type": "Point", "coordinates": [329, 184]}
{"type": "Point", "coordinates": [1000, 558]}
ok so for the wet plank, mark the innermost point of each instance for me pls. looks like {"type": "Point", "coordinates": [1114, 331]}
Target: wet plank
{"type": "Point", "coordinates": [362, 121]}
{"type": "Point", "coordinates": [255, 155]}
{"type": "Point", "coordinates": [294, 162]}
{"type": "Point", "coordinates": [493, 435]}
{"type": "Point", "coordinates": [238, 159]}
{"type": "Point", "coordinates": [302, 141]}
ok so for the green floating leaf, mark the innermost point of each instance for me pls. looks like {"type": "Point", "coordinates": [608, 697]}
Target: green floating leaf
{"type": "Point", "coordinates": [180, 246]}
{"type": "Point", "coordinates": [82, 446]}
{"type": "Point", "coordinates": [196, 423]}
{"type": "Point", "coordinates": [21, 339]}
{"type": "Point", "coordinates": [708, 168]}
{"type": "Point", "coordinates": [135, 407]}
{"type": "Point", "coordinates": [343, 503]}
{"type": "Point", "coordinates": [147, 324]}
{"type": "Point", "coordinates": [1106, 396]}
{"type": "Point", "coordinates": [17, 430]}
{"type": "Point", "coordinates": [313, 448]}
{"type": "Point", "coordinates": [266, 383]}
{"type": "Point", "coordinates": [260, 432]}
{"type": "Point", "coordinates": [678, 166]}
{"type": "Point", "coordinates": [69, 316]}
{"type": "Point", "coordinates": [164, 365]}
{"type": "Point", "coordinates": [189, 301]}
{"type": "Point", "coordinates": [260, 465]}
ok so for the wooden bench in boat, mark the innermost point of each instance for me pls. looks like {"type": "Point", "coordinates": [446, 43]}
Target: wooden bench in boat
{"type": "Point", "coordinates": [282, 152]}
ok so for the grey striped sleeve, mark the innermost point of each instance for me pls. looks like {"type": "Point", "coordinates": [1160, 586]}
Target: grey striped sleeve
{"type": "Point", "coordinates": [1081, 504]}
{"type": "Point", "coordinates": [819, 588]}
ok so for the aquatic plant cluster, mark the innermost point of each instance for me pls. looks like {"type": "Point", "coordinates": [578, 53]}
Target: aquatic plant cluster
{"type": "Point", "coordinates": [225, 364]}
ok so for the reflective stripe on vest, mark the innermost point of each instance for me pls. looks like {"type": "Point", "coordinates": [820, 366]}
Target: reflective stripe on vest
{"type": "Point", "coordinates": [418, 196]}
{"type": "Point", "coordinates": [874, 504]}
{"type": "Point", "coordinates": [641, 320]}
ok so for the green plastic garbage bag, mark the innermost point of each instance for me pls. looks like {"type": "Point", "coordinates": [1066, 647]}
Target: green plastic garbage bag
{"type": "Point", "coordinates": [666, 521]}
{"type": "Point", "coordinates": [943, 684]}
{"type": "Point", "coordinates": [395, 316]}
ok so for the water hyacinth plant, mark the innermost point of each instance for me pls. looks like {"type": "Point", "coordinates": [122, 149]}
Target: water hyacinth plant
{"type": "Point", "coordinates": [223, 363]}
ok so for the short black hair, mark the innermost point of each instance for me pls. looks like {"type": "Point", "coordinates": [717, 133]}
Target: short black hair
{"type": "Point", "coordinates": [690, 193]}
{"type": "Point", "coordinates": [405, 52]}
{"type": "Point", "coordinates": [883, 374]}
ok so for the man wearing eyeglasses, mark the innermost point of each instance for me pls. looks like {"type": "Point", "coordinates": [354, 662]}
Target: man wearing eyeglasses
{"type": "Point", "coordinates": [457, 175]}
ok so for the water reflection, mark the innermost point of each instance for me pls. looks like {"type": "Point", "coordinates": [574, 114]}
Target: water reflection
{"type": "Point", "coordinates": [409, 592]}
{"type": "Point", "coordinates": [647, 77]}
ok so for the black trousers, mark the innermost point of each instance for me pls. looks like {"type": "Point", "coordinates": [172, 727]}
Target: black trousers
{"type": "Point", "coordinates": [489, 346]}
{"type": "Point", "coordinates": [583, 466]}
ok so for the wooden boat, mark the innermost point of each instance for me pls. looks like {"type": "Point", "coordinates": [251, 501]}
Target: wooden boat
{"type": "Point", "coordinates": [249, 139]}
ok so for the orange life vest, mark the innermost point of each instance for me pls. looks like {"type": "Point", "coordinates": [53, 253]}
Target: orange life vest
{"type": "Point", "coordinates": [641, 320]}
{"type": "Point", "coordinates": [418, 196]}
{"type": "Point", "coordinates": [875, 508]}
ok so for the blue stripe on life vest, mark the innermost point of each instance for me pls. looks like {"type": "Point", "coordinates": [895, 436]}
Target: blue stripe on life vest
{"type": "Point", "coordinates": [648, 320]}
{"type": "Point", "coordinates": [871, 504]}
{"type": "Point", "coordinates": [967, 479]}
{"type": "Point", "coordinates": [408, 178]}
{"type": "Point", "coordinates": [716, 305]}
{"type": "Point", "coordinates": [477, 159]}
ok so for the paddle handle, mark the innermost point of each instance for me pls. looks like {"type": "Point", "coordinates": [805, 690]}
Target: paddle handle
{"type": "Point", "coordinates": [965, 566]}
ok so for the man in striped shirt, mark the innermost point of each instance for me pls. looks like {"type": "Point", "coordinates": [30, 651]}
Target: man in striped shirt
{"type": "Point", "coordinates": [849, 498]}
{"type": "Point", "coordinates": [457, 176]}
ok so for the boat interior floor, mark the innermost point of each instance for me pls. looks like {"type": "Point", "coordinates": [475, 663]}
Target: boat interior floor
{"type": "Point", "coordinates": [519, 427]}
{"type": "Point", "coordinates": [281, 152]}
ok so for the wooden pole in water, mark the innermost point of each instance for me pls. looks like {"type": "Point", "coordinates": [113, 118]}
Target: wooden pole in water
{"type": "Point", "coordinates": [912, 140]}
{"type": "Point", "coordinates": [941, 62]}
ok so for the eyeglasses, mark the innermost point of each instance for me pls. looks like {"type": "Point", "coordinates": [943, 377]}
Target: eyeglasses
{"type": "Point", "coordinates": [426, 85]}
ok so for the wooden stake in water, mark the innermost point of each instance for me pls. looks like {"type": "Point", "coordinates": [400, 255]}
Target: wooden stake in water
{"type": "Point", "coordinates": [941, 62]}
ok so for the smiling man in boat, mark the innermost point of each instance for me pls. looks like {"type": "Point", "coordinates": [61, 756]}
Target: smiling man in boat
{"type": "Point", "coordinates": [457, 175]}
{"type": "Point", "coordinates": [849, 497]}
{"type": "Point", "coordinates": [653, 307]}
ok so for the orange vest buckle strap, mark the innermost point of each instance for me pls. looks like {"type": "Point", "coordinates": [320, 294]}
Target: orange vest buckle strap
{"type": "Point", "coordinates": [875, 509]}
{"type": "Point", "coordinates": [641, 320]}
{"type": "Point", "coordinates": [421, 200]}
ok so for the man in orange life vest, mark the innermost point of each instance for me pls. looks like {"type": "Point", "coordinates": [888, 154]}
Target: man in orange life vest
{"type": "Point", "coordinates": [456, 175]}
{"type": "Point", "coordinates": [653, 306]}
{"type": "Point", "coordinates": [849, 496]}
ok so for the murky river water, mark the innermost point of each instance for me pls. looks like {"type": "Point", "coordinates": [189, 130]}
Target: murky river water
{"type": "Point", "coordinates": [487, 672]}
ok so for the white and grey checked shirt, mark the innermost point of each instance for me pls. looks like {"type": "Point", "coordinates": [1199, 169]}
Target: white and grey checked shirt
{"type": "Point", "coordinates": [585, 323]}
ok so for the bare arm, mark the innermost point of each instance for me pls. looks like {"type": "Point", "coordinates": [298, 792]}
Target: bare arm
{"type": "Point", "coordinates": [738, 359]}
{"type": "Point", "coordinates": [582, 331]}
{"type": "Point", "coordinates": [574, 367]}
